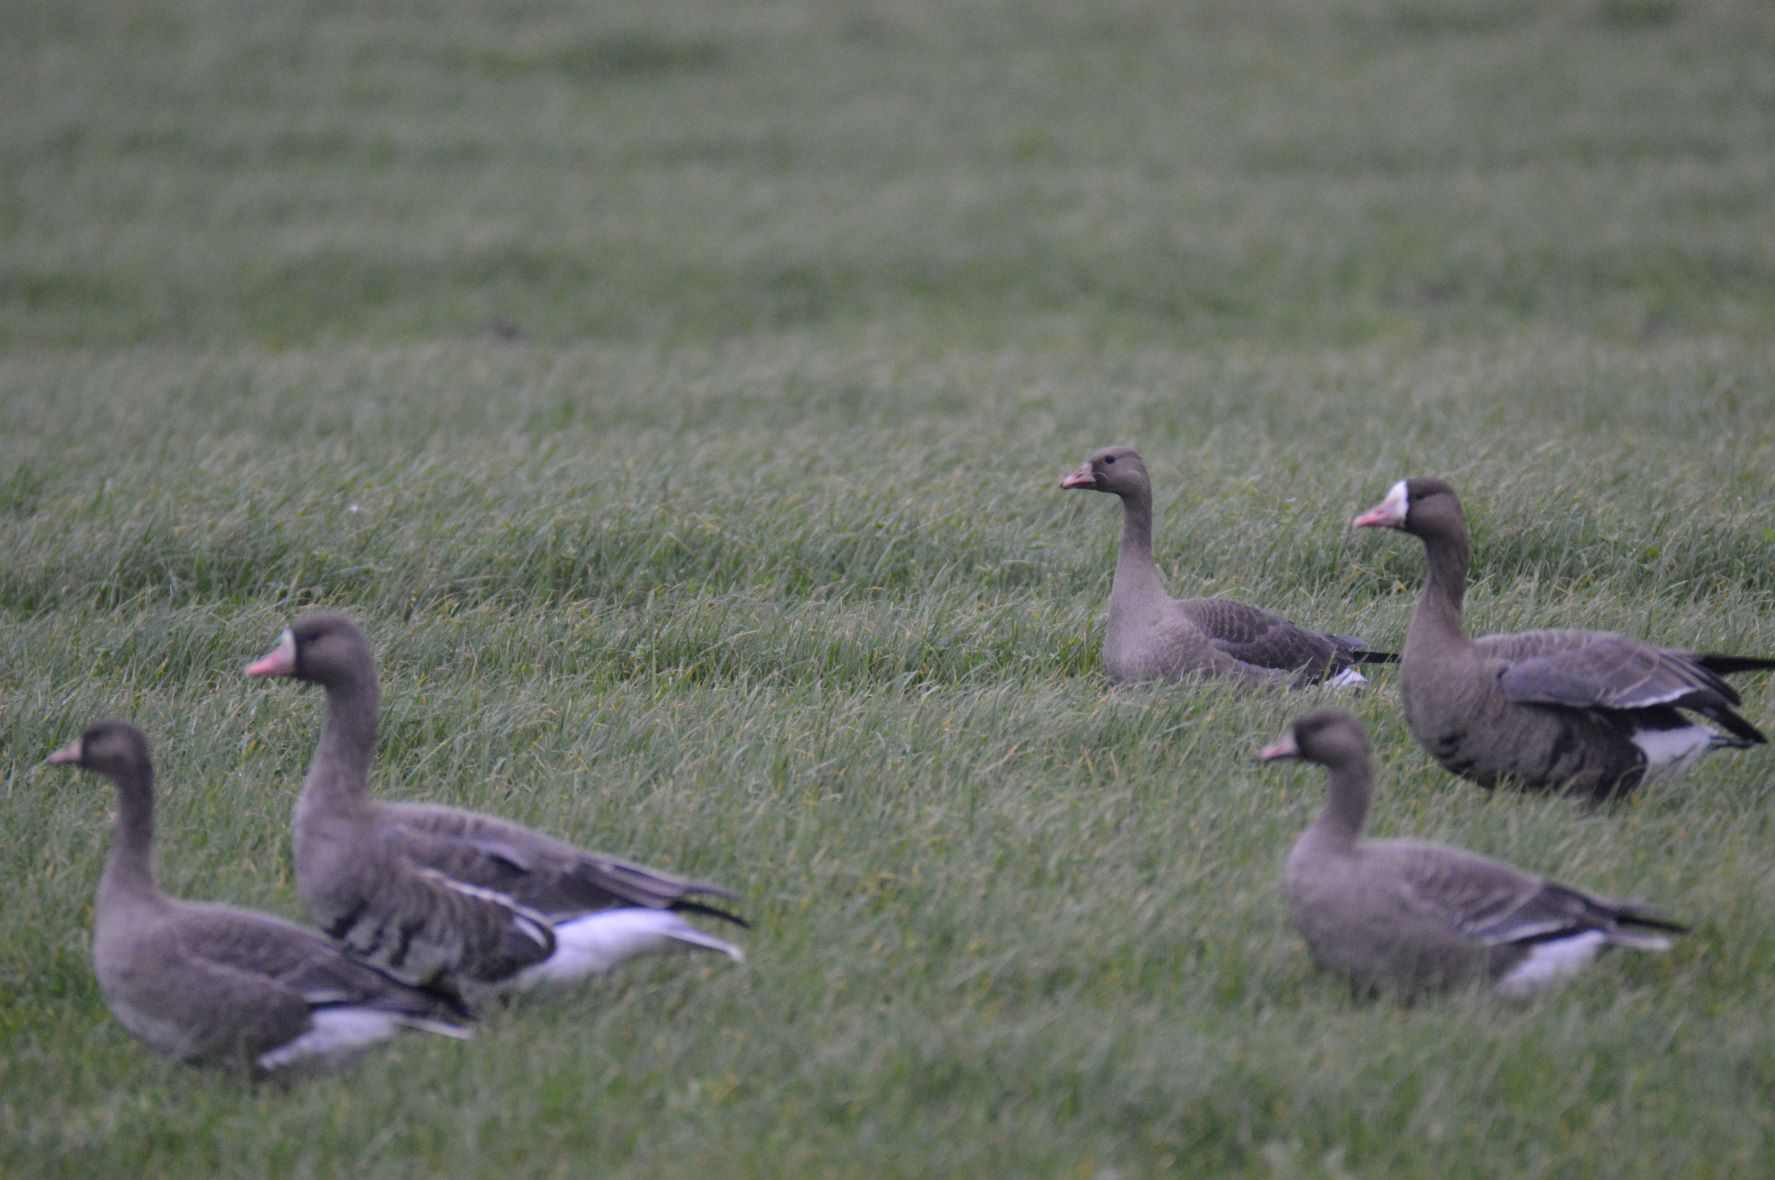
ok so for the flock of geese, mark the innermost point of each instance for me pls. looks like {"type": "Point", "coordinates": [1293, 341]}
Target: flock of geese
{"type": "Point", "coordinates": [428, 912]}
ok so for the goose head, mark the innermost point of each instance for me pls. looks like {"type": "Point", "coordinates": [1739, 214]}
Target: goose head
{"type": "Point", "coordinates": [1422, 505]}
{"type": "Point", "coordinates": [1118, 470]}
{"type": "Point", "coordinates": [1326, 737]}
{"type": "Point", "coordinates": [110, 747]}
{"type": "Point", "coordinates": [322, 649]}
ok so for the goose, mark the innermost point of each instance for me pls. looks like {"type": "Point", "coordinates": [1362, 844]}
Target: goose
{"type": "Point", "coordinates": [1591, 713]}
{"type": "Point", "coordinates": [212, 983]}
{"type": "Point", "coordinates": [1407, 917]}
{"type": "Point", "coordinates": [1152, 636]}
{"type": "Point", "coordinates": [448, 898]}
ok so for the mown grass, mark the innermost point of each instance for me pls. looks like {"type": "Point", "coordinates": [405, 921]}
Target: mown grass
{"type": "Point", "coordinates": [679, 396]}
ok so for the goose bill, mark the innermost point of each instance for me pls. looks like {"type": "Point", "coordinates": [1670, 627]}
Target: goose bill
{"type": "Point", "coordinates": [1084, 477]}
{"type": "Point", "coordinates": [1389, 513]}
{"type": "Point", "coordinates": [1282, 747]}
{"type": "Point", "coordinates": [279, 661]}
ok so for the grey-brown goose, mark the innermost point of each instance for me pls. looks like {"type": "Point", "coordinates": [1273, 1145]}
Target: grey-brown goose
{"type": "Point", "coordinates": [214, 983]}
{"type": "Point", "coordinates": [450, 898]}
{"type": "Point", "coordinates": [1406, 917]}
{"type": "Point", "coordinates": [1588, 712]}
{"type": "Point", "coordinates": [1152, 636]}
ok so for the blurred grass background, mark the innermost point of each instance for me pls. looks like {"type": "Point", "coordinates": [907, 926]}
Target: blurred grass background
{"type": "Point", "coordinates": [678, 395]}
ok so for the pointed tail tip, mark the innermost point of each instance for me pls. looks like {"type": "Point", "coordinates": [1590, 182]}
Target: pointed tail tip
{"type": "Point", "coordinates": [1651, 920]}
{"type": "Point", "coordinates": [709, 942]}
{"type": "Point", "coordinates": [1724, 665]}
{"type": "Point", "coordinates": [1741, 734]}
{"type": "Point", "coordinates": [730, 949]}
{"type": "Point", "coordinates": [442, 1028]}
{"type": "Point", "coordinates": [681, 931]}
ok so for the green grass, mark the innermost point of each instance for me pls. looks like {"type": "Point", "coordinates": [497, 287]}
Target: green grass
{"type": "Point", "coordinates": [678, 395]}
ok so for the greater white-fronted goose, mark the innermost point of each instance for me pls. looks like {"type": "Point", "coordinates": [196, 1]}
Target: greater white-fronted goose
{"type": "Point", "coordinates": [1406, 917]}
{"type": "Point", "coordinates": [449, 898]}
{"type": "Point", "coordinates": [1152, 636]}
{"type": "Point", "coordinates": [211, 983]}
{"type": "Point", "coordinates": [1587, 712]}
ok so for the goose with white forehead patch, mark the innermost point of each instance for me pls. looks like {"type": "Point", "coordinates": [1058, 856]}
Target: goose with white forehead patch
{"type": "Point", "coordinates": [211, 983]}
{"type": "Point", "coordinates": [1152, 636]}
{"type": "Point", "coordinates": [1406, 917]}
{"type": "Point", "coordinates": [452, 898]}
{"type": "Point", "coordinates": [1591, 713]}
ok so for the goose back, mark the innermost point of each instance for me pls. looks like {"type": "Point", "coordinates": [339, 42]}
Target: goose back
{"type": "Point", "coordinates": [541, 873]}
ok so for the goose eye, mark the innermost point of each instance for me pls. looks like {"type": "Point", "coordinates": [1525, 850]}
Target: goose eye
{"type": "Point", "coordinates": [1109, 460]}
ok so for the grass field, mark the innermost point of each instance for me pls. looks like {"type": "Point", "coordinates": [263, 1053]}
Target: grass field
{"type": "Point", "coordinates": [678, 395]}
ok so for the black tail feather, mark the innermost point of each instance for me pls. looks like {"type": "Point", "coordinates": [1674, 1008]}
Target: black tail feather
{"type": "Point", "coordinates": [1745, 733]}
{"type": "Point", "coordinates": [1357, 649]}
{"type": "Point", "coordinates": [1721, 665]}
{"type": "Point", "coordinates": [685, 905]}
{"type": "Point", "coordinates": [1650, 919]}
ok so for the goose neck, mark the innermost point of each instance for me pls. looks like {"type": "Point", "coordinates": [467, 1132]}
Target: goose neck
{"type": "Point", "coordinates": [1346, 805]}
{"type": "Point", "coordinates": [1437, 617]}
{"type": "Point", "coordinates": [339, 776]}
{"type": "Point", "coordinates": [129, 866]}
{"type": "Point", "coordinates": [1137, 574]}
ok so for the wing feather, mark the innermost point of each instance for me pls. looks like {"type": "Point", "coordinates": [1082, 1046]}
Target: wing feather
{"type": "Point", "coordinates": [1607, 671]}
{"type": "Point", "coordinates": [1258, 637]}
{"type": "Point", "coordinates": [544, 874]}
{"type": "Point", "coordinates": [289, 958]}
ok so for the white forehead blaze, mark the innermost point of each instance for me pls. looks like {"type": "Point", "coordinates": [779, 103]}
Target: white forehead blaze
{"type": "Point", "coordinates": [286, 645]}
{"type": "Point", "coordinates": [1395, 502]}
